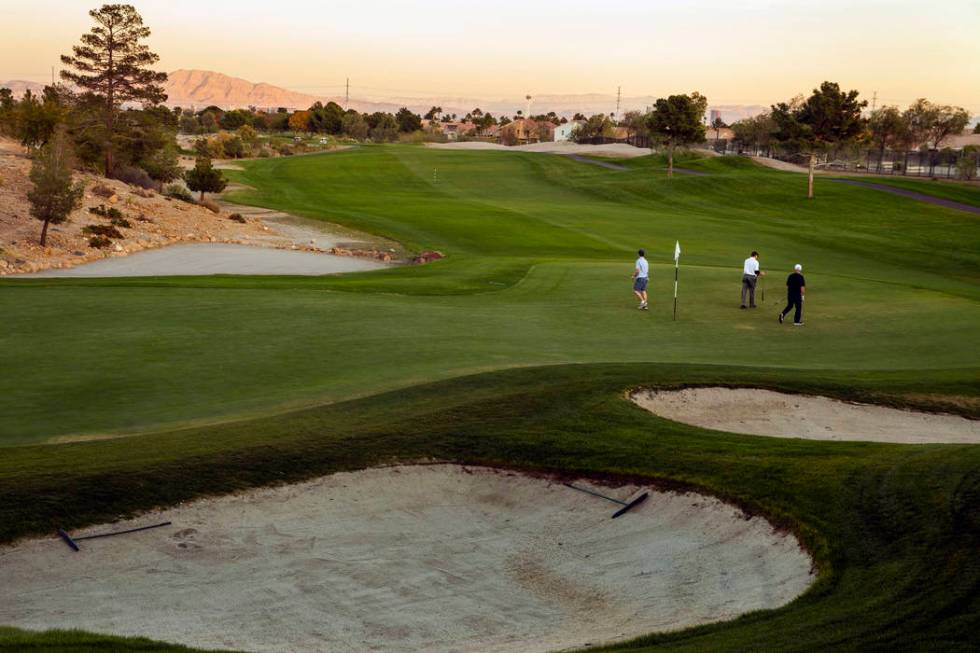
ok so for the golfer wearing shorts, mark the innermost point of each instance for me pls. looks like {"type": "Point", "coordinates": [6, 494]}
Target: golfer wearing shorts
{"type": "Point", "coordinates": [750, 276]}
{"type": "Point", "coordinates": [641, 274]}
{"type": "Point", "coordinates": [795, 289]}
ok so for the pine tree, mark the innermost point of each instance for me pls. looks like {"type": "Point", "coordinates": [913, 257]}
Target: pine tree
{"type": "Point", "coordinates": [203, 178]}
{"type": "Point", "coordinates": [113, 64]}
{"type": "Point", "coordinates": [54, 195]}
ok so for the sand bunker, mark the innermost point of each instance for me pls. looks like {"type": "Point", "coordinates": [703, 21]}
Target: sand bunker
{"type": "Point", "coordinates": [418, 558]}
{"type": "Point", "coordinates": [763, 412]}
{"type": "Point", "coordinates": [215, 258]}
{"type": "Point", "coordinates": [614, 150]}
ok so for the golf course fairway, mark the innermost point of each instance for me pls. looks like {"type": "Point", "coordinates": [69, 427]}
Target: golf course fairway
{"type": "Point", "coordinates": [518, 350]}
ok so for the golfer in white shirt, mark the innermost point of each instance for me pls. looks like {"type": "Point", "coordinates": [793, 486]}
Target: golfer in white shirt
{"type": "Point", "coordinates": [750, 276]}
{"type": "Point", "coordinates": [641, 274]}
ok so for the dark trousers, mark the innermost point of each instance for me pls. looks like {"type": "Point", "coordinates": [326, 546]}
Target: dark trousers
{"type": "Point", "coordinates": [748, 287]}
{"type": "Point", "coordinates": [796, 302]}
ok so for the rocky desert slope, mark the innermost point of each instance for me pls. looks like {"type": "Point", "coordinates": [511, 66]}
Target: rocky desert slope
{"type": "Point", "coordinates": [153, 221]}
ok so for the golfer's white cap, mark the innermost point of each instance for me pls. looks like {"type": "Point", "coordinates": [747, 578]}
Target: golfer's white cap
{"type": "Point", "coordinates": [798, 267]}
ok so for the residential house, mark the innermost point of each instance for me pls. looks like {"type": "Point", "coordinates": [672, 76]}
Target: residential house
{"type": "Point", "coordinates": [452, 130]}
{"type": "Point", "coordinates": [525, 130]}
{"type": "Point", "coordinates": [490, 131]}
{"type": "Point", "coordinates": [721, 134]}
{"type": "Point", "coordinates": [959, 141]}
{"type": "Point", "coordinates": [564, 132]}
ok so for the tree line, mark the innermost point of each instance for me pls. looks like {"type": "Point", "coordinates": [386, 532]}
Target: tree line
{"type": "Point", "coordinates": [109, 107]}
{"type": "Point", "coordinates": [830, 120]}
{"type": "Point", "coordinates": [332, 119]}
{"type": "Point", "coordinates": [814, 126]}
{"type": "Point", "coordinates": [107, 115]}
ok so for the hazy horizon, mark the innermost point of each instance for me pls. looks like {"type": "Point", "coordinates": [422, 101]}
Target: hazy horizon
{"type": "Point", "coordinates": [747, 53]}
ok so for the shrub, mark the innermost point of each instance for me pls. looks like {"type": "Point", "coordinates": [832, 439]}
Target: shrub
{"type": "Point", "coordinates": [104, 230]}
{"type": "Point", "coordinates": [248, 135]}
{"type": "Point", "coordinates": [134, 177]}
{"type": "Point", "coordinates": [210, 205]}
{"type": "Point", "coordinates": [101, 190]}
{"type": "Point", "coordinates": [178, 192]}
{"type": "Point", "coordinates": [966, 167]}
{"type": "Point", "coordinates": [234, 148]}
{"type": "Point", "coordinates": [237, 217]}
{"type": "Point", "coordinates": [114, 214]}
{"type": "Point", "coordinates": [414, 138]}
{"type": "Point", "coordinates": [121, 222]}
{"type": "Point", "coordinates": [99, 210]}
{"type": "Point", "coordinates": [163, 166]}
{"type": "Point", "coordinates": [99, 242]}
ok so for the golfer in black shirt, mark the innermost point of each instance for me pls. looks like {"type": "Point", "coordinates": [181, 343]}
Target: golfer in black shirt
{"type": "Point", "coordinates": [795, 289]}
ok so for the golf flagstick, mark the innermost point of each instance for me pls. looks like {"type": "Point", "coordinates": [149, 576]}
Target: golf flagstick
{"type": "Point", "coordinates": [677, 266]}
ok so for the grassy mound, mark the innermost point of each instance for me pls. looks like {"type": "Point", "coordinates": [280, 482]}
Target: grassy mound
{"type": "Point", "coordinates": [894, 529]}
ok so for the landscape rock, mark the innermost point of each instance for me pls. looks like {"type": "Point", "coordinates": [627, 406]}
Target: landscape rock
{"type": "Point", "coordinates": [428, 256]}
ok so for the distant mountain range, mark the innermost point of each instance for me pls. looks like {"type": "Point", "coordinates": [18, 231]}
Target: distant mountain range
{"type": "Point", "coordinates": [18, 86]}
{"type": "Point", "coordinates": [201, 88]}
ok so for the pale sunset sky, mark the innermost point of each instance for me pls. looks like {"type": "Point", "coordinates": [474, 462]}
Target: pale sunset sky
{"type": "Point", "coordinates": [735, 52]}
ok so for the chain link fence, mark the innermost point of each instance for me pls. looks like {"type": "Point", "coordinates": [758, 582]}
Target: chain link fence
{"type": "Point", "coordinates": [945, 163]}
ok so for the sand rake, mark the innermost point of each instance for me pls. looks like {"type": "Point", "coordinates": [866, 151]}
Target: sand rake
{"type": "Point", "coordinates": [626, 505]}
{"type": "Point", "coordinates": [72, 541]}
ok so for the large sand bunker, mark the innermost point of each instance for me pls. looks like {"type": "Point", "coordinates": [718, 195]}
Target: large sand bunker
{"type": "Point", "coordinates": [763, 412]}
{"type": "Point", "coordinates": [418, 558]}
{"type": "Point", "coordinates": [614, 150]}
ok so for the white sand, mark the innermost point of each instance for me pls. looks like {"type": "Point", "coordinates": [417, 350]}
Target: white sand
{"type": "Point", "coordinates": [215, 258]}
{"type": "Point", "coordinates": [420, 558]}
{"type": "Point", "coordinates": [763, 412]}
{"type": "Point", "coordinates": [614, 150]}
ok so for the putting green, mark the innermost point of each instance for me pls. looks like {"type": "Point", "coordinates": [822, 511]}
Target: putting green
{"type": "Point", "coordinates": [540, 248]}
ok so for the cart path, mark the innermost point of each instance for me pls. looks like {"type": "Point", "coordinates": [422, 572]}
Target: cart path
{"type": "Point", "coordinates": [601, 164]}
{"type": "Point", "coordinates": [911, 194]}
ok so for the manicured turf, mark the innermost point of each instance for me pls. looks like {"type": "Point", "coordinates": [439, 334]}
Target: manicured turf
{"type": "Point", "coordinates": [225, 383]}
{"type": "Point", "coordinates": [541, 249]}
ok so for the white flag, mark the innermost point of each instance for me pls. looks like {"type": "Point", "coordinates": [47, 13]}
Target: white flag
{"type": "Point", "coordinates": [677, 251]}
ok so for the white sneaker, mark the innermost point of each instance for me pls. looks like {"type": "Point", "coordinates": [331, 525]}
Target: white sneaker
{"type": "Point", "coordinates": [797, 324]}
